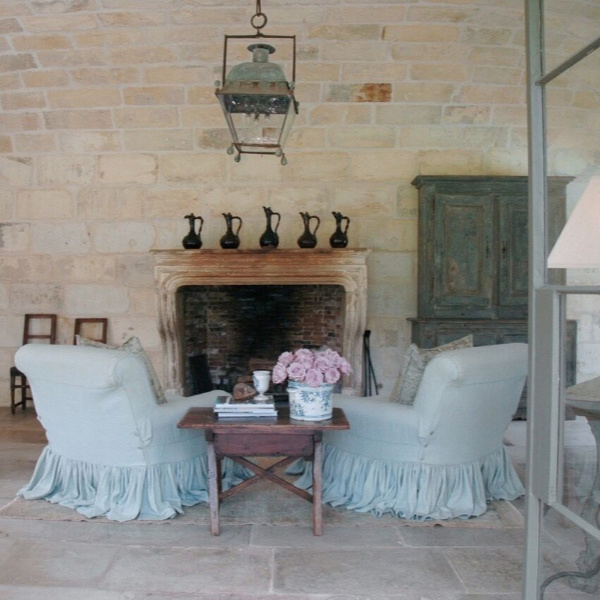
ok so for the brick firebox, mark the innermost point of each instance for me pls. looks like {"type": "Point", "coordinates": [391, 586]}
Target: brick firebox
{"type": "Point", "coordinates": [230, 330]}
{"type": "Point", "coordinates": [177, 270]}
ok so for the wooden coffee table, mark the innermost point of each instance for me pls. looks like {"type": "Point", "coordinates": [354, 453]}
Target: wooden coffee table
{"type": "Point", "coordinates": [262, 436]}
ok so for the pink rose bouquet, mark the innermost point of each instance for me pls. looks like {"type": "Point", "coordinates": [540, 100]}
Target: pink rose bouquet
{"type": "Point", "coordinates": [313, 367]}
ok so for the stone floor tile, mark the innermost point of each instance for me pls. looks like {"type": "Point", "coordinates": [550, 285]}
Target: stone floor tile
{"type": "Point", "coordinates": [124, 534]}
{"type": "Point", "coordinates": [516, 596]}
{"type": "Point", "coordinates": [488, 570]}
{"type": "Point", "coordinates": [6, 551]}
{"type": "Point", "coordinates": [298, 596]}
{"type": "Point", "coordinates": [566, 535]}
{"type": "Point", "coordinates": [47, 531]}
{"type": "Point", "coordinates": [567, 594]}
{"type": "Point", "coordinates": [58, 593]}
{"type": "Point", "coordinates": [301, 536]}
{"type": "Point", "coordinates": [356, 571]}
{"type": "Point", "coordinates": [10, 487]}
{"type": "Point", "coordinates": [66, 564]}
{"type": "Point", "coordinates": [172, 535]}
{"type": "Point", "coordinates": [455, 536]}
{"type": "Point", "coordinates": [191, 570]}
{"type": "Point", "coordinates": [562, 548]}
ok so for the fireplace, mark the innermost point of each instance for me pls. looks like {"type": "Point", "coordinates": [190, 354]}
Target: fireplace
{"type": "Point", "coordinates": [231, 330]}
{"type": "Point", "coordinates": [335, 279]}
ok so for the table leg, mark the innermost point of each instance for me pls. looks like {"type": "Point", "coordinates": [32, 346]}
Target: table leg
{"type": "Point", "coordinates": [591, 513]}
{"type": "Point", "coordinates": [219, 479]}
{"type": "Point", "coordinates": [213, 484]}
{"type": "Point", "coordinates": [317, 485]}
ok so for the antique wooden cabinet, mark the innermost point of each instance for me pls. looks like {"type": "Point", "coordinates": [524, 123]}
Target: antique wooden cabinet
{"type": "Point", "coordinates": [473, 259]}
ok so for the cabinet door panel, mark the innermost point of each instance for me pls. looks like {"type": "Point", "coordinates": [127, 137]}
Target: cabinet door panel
{"type": "Point", "coordinates": [513, 280]}
{"type": "Point", "coordinates": [464, 255]}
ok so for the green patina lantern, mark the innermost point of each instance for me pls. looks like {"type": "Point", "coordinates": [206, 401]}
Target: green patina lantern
{"type": "Point", "coordinates": [257, 100]}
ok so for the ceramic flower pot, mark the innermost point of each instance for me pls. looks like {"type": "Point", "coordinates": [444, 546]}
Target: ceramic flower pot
{"type": "Point", "coordinates": [309, 403]}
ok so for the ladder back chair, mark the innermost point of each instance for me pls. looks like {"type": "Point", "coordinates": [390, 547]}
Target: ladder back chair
{"type": "Point", "coordinates": [36, 328]}
{"type": "Point", "coordinates": [95, 329]}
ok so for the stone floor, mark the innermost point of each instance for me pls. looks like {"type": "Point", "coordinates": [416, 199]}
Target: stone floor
{"type": "Point", "coordinates": [57, 560]}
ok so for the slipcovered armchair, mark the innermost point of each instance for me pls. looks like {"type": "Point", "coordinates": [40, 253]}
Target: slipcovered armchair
{"type": "Point", "coordinates": [113, 449]}
{"type": "Point", "coordinates": [441, 458]}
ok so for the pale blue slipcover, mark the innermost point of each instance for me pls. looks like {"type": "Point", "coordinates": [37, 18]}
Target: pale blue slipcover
{"type": "Point", "coordinates": [112, 450]}
{"type": "Point", "coordinates": [442, 458]}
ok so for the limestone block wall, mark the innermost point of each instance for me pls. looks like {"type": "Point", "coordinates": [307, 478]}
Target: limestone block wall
{"type": "Point", "coordinates": [110, 133]}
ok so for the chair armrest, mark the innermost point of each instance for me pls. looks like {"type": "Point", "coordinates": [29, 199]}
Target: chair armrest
{"type": "Point", "coordinates": [380, 420]}
{"type": "Point", "coordinates": [207, 399]}
{"type": "Point", "coordinates": [164, 418]}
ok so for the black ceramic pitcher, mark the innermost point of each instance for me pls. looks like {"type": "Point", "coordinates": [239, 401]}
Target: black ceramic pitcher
{"type": "Point", "coordinates": [270, 239]}
{"type": "Point", "coordinates": [192, 240]}
{"type": "Point", "coordinates": [339, 238]}
{"type": "Point", "coordinates": [308, 239]}
{"type": "Point", "coordinates": [231, 238]}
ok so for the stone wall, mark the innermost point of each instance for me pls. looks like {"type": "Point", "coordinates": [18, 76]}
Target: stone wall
{"type": "Point", "coordinates": [110, 133]}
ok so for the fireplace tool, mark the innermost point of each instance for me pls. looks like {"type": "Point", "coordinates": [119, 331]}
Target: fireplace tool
{"type": "Point", "coordinates": [368, 366]}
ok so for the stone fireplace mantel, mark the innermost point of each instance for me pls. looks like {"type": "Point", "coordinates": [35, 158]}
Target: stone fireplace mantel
{"type": "Point", "coordinates": [177, 268]}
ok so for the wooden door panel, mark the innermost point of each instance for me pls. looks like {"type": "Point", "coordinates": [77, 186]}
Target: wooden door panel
{"type": "Point", "coordinates": [464, 254]}
{"type": "Point", "coordinates": [513, 280]}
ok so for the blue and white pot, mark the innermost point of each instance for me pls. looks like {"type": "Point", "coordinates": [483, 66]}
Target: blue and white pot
{"type": "Point", "coordinates": [309, 403]}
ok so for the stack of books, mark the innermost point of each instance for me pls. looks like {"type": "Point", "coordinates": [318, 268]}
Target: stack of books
{"type": "Point", "coordinates": [229, 407]}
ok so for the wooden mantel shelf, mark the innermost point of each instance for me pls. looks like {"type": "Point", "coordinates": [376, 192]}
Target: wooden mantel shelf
{"type": "Point", "coordinates": [345, 267]}
{"type": "Point", "coordinates": [261, 258]}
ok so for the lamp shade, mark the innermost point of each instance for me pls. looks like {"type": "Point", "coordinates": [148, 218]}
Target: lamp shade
{"type": "Point", "coordinates": [578, 246]}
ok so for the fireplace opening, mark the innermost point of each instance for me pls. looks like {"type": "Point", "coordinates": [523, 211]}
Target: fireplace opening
{"type": "Point", "coordinates": [230, 330]}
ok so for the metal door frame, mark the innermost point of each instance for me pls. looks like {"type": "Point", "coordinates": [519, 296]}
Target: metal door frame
{"type": "Point", "coordinates": [547, 317]}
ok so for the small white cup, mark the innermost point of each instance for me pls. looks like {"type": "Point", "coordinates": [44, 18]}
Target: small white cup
{"type": "Point", "coordinates": [261, 381]}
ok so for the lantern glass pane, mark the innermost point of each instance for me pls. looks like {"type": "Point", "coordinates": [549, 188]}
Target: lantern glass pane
{"type": "Point", "coordinates": [265, 124]}
{"type": "Point", "coordinates": [258, 129]}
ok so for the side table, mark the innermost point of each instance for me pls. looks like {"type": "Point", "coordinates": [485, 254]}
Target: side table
{"type": "Point", "coordinates": [584, 399]}
{"type": "Point", "coordinates": [262, 436]}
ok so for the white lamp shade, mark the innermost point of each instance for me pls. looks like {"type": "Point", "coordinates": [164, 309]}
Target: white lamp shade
{"type": "Point", "coordinates": [578, 246]}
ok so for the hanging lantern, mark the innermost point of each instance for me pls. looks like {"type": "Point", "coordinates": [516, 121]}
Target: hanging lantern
{"type": "Point", "coordinates": [257, 100]}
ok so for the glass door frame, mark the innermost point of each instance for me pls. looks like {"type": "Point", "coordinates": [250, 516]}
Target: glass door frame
{"type": "Point", "coordinates": [547, 316]}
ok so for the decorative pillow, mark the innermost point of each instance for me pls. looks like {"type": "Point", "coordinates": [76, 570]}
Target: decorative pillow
{"type": "Point", "coordinates": [415, 361]}
{"type": "Point", "coordinates": [134, 346]}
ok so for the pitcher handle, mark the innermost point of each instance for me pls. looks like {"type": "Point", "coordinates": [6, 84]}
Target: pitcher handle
{"type": "Point", "coordinates": [239, 224]}
{"type": "Point", "coordinates": [347, 223]}
{"type": "Point", "coordinates": [318, 223]}
{"type": "Point", "coordinates": [201, 224]}
{"type": "Point", "coordinates": [278, 220]}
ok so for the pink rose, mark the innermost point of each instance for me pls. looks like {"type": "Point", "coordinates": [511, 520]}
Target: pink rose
{"type": "Point", "coordinates": [279, 373]}
{"type": "Point", "coordinates": [306, 360]}
{"type": "Point", "coordinates": [331, 375]}
{"type": "Point", "coordinates": [323, 363]}
{"type": "Point", "coordinates": [304, 353]}
{"type": "Point", "coordinates": [344, 366]}
{"type": "Point", "coordinates": [285, 358]}
{"type": "Point", "coordinates": [296, 371]}
{"type": "Point", "coordinates": [314, 377]}
{"type": "Point", "coordinates": [331, 355]}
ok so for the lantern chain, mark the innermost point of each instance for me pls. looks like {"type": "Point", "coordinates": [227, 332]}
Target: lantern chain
{"type": "Point", "coordinates": [254, 21]}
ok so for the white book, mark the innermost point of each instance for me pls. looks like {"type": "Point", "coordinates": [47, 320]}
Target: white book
{"type": "Point", "coordinates": [230, 404]}
{"type": "Point", "coordinates": [240, 414]}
